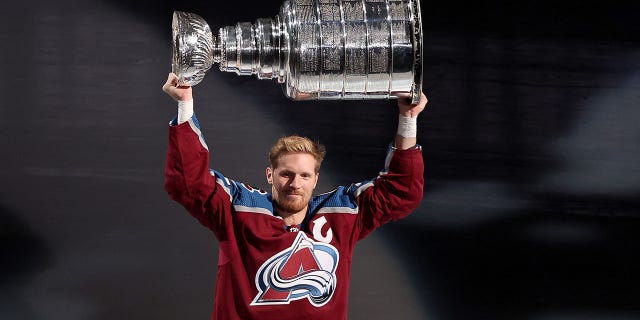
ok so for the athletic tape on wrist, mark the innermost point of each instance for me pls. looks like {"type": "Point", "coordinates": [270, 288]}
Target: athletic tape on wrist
{"type": "Point", "coordinates": [407, 126]}
{"type": "Point", "coordinates": [185, 111]}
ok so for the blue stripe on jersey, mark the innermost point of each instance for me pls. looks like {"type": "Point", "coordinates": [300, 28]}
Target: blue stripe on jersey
{"type": "Point", "coordinates": [245, 198]}
{"type": "Point", "coordinates": [195, 127]}
{"type": "Point", "coordinates": [341, 200]}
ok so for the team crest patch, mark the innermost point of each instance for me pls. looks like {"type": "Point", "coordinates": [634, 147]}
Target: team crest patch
{"type": "Point", "coordinates": [307, 269]}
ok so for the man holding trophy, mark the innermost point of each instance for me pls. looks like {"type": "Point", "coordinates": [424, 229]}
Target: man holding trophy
{"type": "Point", "coordinates": [286, 254]}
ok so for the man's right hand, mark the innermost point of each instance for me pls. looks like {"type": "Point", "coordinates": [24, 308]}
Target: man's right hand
{"type": "Point", "coordinates": [411, 110]}
{"type": "Point", "coordinates": [177, 92]}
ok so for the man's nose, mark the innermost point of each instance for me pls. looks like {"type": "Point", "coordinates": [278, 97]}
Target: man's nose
{"type": "Point", "coordinates": [294, 182]}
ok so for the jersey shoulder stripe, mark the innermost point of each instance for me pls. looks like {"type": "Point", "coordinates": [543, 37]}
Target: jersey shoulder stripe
{"type": "Point", "coordinates": [243, 197]}
{"type": "Point", "coordinates": [194, 124]}
{"type": "Point", "coordinates": [341, 200]}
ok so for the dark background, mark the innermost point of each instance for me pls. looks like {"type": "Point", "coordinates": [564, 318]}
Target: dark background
{"type": "Point", "coordinates": [531, 143]}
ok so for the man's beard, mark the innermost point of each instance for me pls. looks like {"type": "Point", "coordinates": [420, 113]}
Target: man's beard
{"type": "Point", "coordinates": [292, 205]}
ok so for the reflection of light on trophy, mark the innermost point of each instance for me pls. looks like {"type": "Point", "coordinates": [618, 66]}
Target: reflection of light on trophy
{"type": "Point", "coordinates": [319, 49]}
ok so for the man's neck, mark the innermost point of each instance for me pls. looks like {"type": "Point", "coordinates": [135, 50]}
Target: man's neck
{"type": "Point", "coordinates": [293, 218]}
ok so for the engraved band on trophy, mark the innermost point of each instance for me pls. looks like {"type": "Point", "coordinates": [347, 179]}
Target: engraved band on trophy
{"type": "Point", "coordinates": [318, 49]}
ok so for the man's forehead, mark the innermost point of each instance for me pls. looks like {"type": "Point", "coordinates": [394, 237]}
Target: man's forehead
{"type": "Point", "coordinates": [296, 161]}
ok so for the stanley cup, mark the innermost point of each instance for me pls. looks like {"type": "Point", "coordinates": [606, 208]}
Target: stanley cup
{"type": "Point", "coordinates": [318, 49]}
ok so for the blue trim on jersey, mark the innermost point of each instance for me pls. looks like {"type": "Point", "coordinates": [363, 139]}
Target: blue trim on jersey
{"type": "Point", "coordinates": [174, 121]}
{"type": "Point", "coordinates": [341, 200]}
{"type": "Point", "coordinates": [245, 198]}
{"type": "Point", "coordinates": [196, 122]}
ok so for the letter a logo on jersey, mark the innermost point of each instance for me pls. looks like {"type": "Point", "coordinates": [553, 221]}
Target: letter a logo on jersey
{"type": "Point", "coordinates": [307, 269]}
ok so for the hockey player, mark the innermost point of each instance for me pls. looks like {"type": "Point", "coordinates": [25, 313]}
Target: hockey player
{"type": "Point", "coordinates": [286, 254]}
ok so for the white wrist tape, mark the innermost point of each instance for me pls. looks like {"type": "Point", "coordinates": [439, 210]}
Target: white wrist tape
{"type": "Point", "coordinates": [407, 126]}
{"type": "Point", "coordinates": [185, 111]}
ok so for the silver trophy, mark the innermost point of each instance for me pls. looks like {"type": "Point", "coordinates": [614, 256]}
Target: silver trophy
{"type": "Point", "coordinates": [318, 49]}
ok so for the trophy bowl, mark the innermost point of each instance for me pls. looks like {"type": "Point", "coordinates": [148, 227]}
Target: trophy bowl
{"type": "Point", "coordinates": [192, 49]}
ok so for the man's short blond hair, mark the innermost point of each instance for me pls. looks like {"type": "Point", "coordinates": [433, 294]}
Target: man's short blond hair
{"type": "Point", "coordinates": [296, 144]}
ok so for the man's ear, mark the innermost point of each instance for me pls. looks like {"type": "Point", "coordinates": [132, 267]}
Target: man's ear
{"type": "Point", "coordinates": [269, 174]}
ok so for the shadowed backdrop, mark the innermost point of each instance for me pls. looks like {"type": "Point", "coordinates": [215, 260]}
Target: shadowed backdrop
{"type": "Point", "coordinates": [531, 146]}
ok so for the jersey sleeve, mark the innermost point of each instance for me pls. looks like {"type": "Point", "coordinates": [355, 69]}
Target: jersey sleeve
{"type": "Point", "coordinates": [205, 193]}
{"type": "Point", "coordinates": [393, 194]}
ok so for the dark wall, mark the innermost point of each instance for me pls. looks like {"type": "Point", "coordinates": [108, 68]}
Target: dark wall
{"type": "Point", "coordinates": [530, 143]}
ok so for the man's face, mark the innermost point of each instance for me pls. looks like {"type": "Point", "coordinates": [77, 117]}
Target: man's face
{"type": "Point", "coordinates": [292, 182]}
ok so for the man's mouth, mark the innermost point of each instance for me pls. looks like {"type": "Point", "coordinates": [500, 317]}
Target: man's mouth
{"type": "Point", "coordinates": [293, 194]}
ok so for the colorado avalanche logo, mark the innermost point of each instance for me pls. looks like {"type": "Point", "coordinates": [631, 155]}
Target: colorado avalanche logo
{"type": "Point", "coordinates": [307, 269]}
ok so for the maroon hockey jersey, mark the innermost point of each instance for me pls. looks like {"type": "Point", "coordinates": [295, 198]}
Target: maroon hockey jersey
{"type": "Point", "coordinates": [265, 271]}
